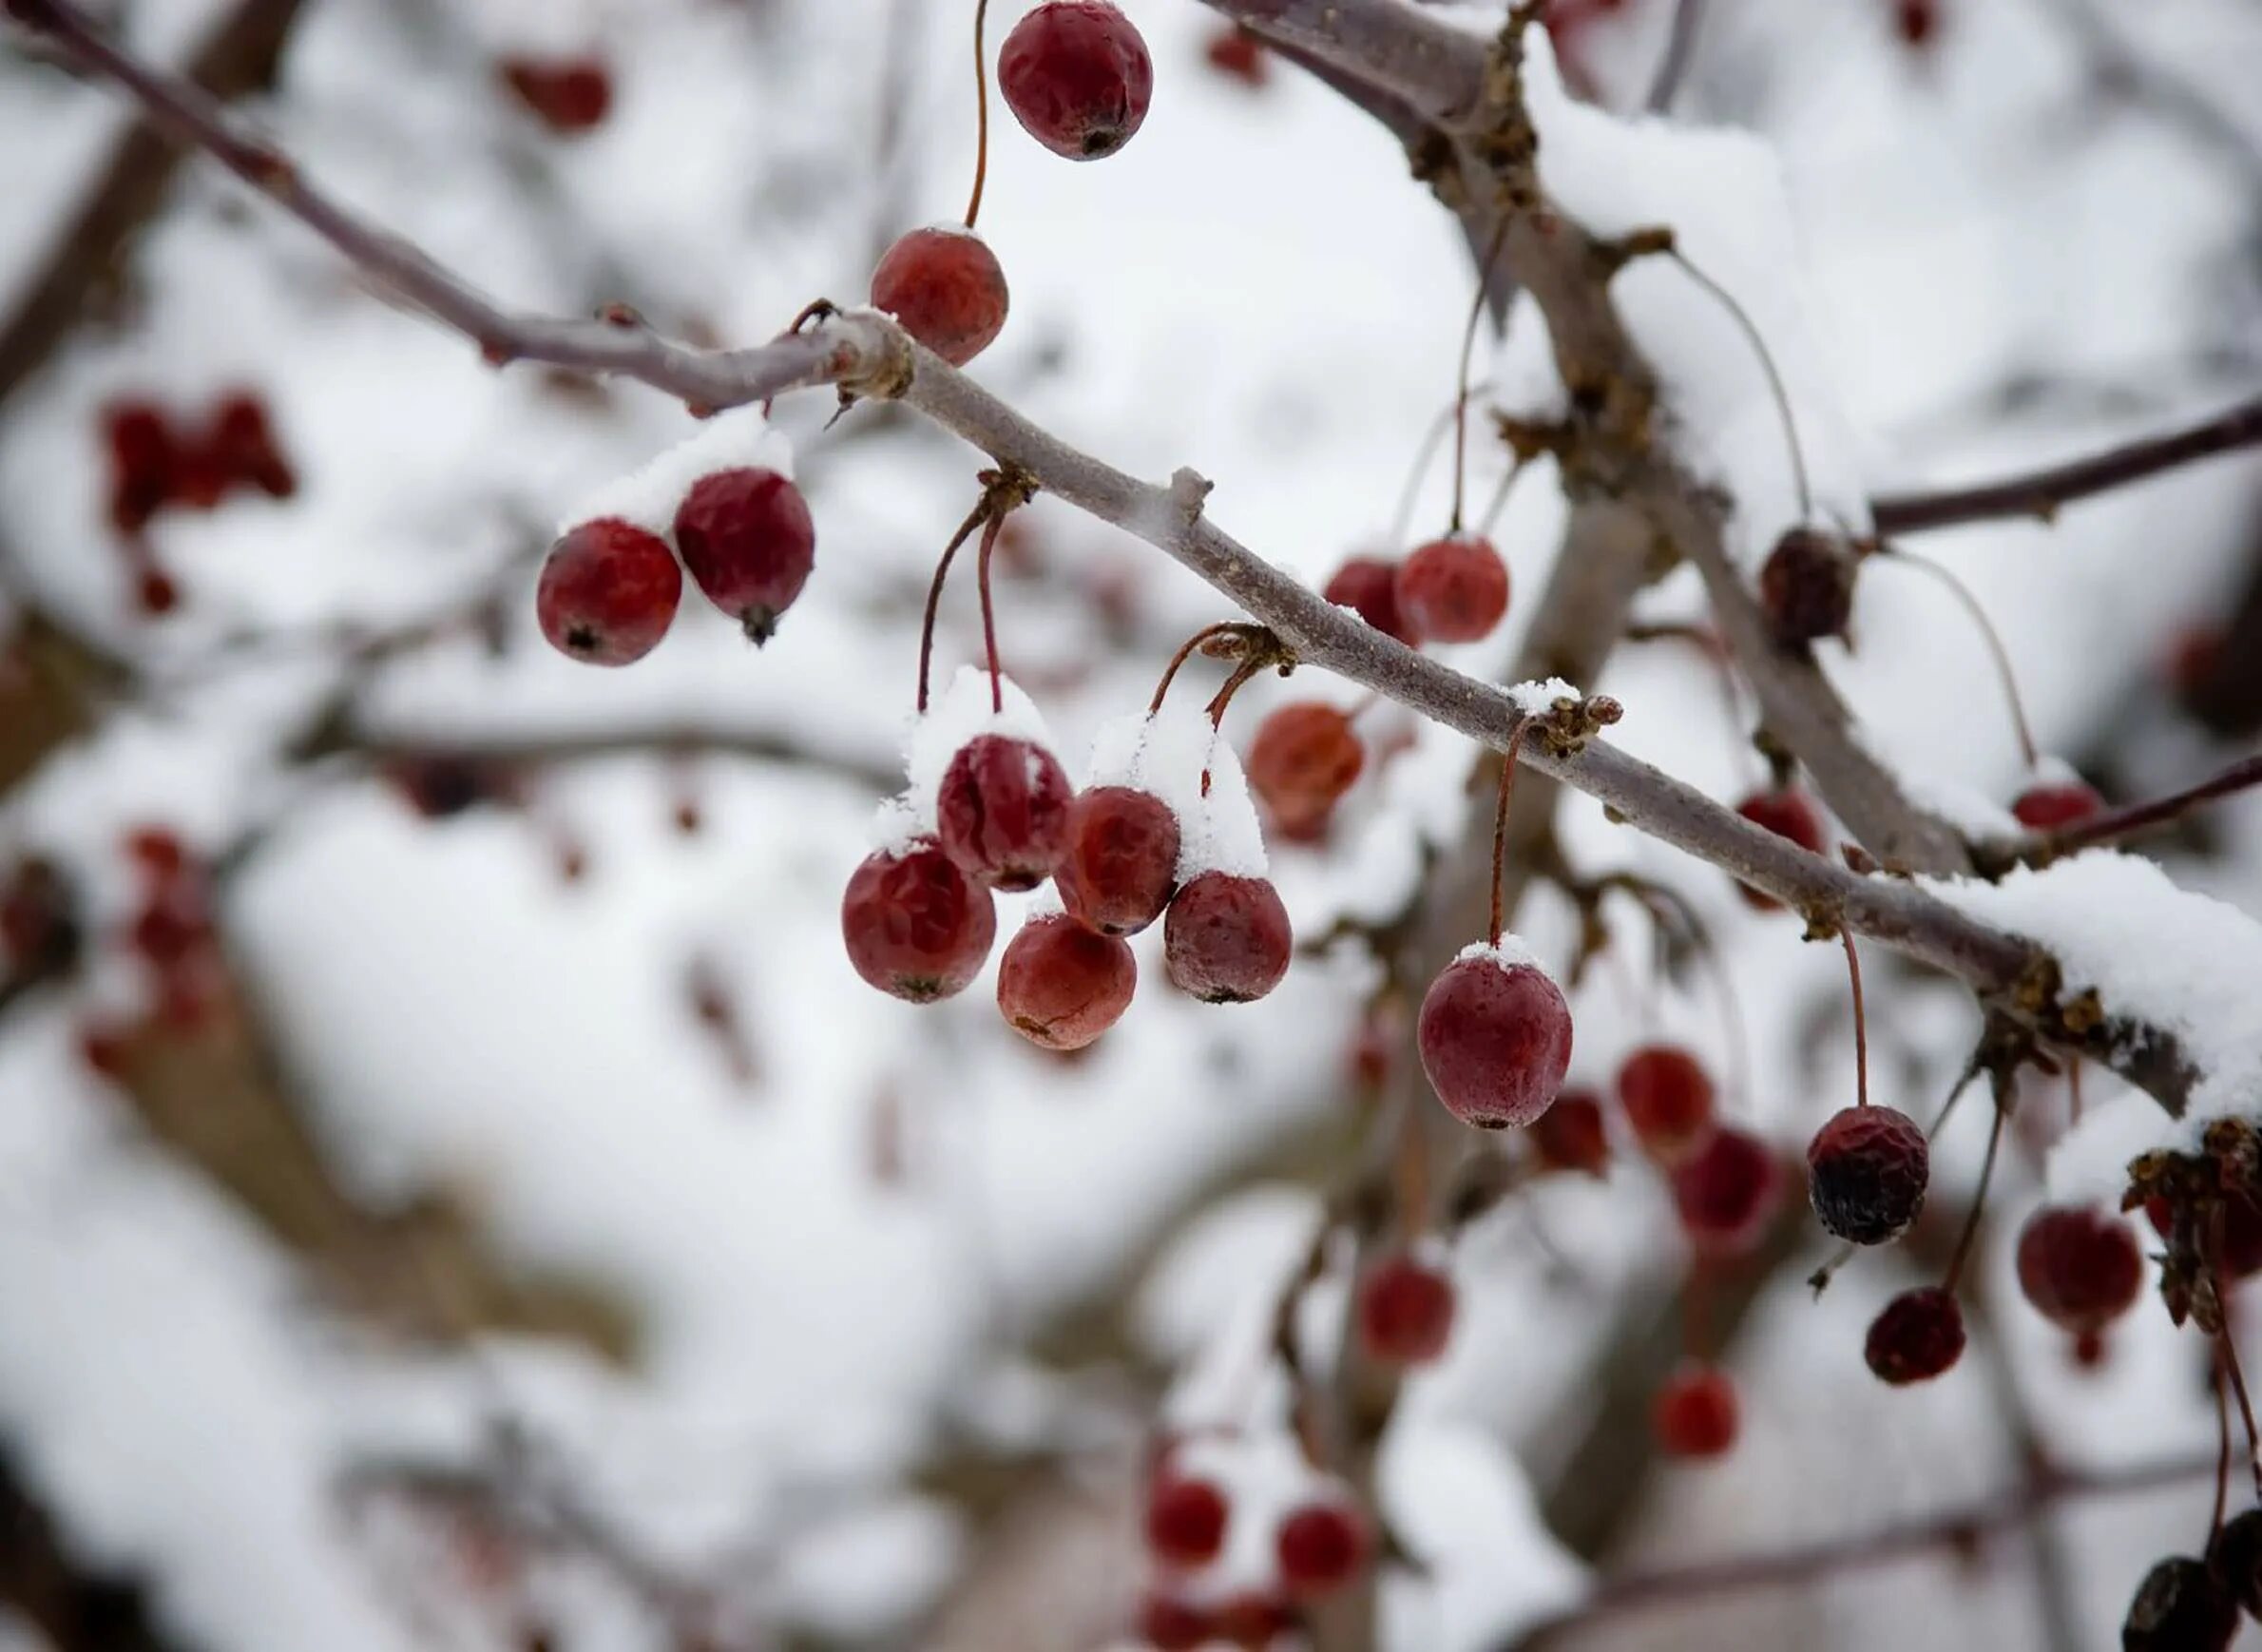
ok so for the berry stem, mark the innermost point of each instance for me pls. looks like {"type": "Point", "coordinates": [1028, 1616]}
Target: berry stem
{"type": "Point", "coordinates": [1410, 494]}
{"type": "Point", "coordinates": [1186, 652]}
{"type": "Point", "coordinates": [2227, 1346]}
{"type": "Point", "coordinates": [1468, 349]}
{"type": "Point", "coordinates": [2136, 818]}
{"type": "Point", "coordinates": [1947, 1107]}
{"type": "Point", "coordinates": [1775, 378]}
{"type": "Point", "coordinates": [1979, 1197]}
{"type": "Point", "coordinates": [1218, 701]}
{"type": "Point", "coordinates": [990, 626]}
{"type": "Point", "coordinates": [1499, 825]}
{"type": "Point", "coordinates": [934, 593]}
{"type": "Point", "coordinates": [973, 205]}
{"type": "Point", "coordinates": [2222, 1462]}
{"type": "Point", "coordinates": [1861, 1022]}
{"type": "Point", "coordinates": [1995, 648]}
{"type": "Point", "coordinates": [1500, 499]}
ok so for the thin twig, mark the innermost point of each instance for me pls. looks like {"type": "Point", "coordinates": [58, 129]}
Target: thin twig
{"type": "Point", "coordinates": [1681, 49]}
{"type": "Point", "coordinates": [2116, 824]}
{"type": "Point", "coordinates": [1996, 652]}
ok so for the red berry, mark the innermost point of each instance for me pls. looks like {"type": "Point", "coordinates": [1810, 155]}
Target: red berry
{"type": "Point", "coordinates": [172, 925]}
{"type": "Point", "coordinates": [2080, 1268]}
{"type": "Point", "coordinates": [2182, 1605]}
{"type": "Point", "coordinates": [1121, 858]}
{"type": "Point", "coordinates": [1077, 76]}
{"type": "Point", "coordinates": [1186, 1521]}
{"type": "Point", "coordinates": [608, 592]}
{"type": "Point", "coordinates": [440, 786]}
{"type": "Point", "coordinates": [1304, 758]}
{"type": "Point", "coordinates": [156, 591]}
{"type": "Point", "coordinates": [106, 1049]}
{"type": "Point", "coordinates": [241, 444]}
{"type": "Point", "coordinates": [1169, 1624]}
{"type": "Point", "coordinates": [1237, 54]}
{"type": "Point", "coordinates": [1919, 1335]}
{"type": "Point", "coordinates": [1726, 1192]}
{"type": "Point", "coordinates": [1253, 1622]}
{"type": "Point", "coordinates": [747, 540]}
{"type": "Point", "coordinates": [2057, 803]}
{"type": "Point", "coordinates": [1321, 1547]}
{"type": "Point", "coordinates": [1787, 814]}
{"type": "Point", "coordinates": [569, 94]}
{"type": "Point", "coordinates": [1495, 1039]}
{"type": "Point", "coordinates": [1667, 1098]}
{"type": "Point", "coordinates": [139, 437]}
{"type": "Point", "coordinates": [945, 287]}
{"type": "Point", "coordinates": [1369, 585]}
{"type": "Point", "coordinates": [2194, 659]}
{"type": "Point", "coordinates": [1917, 22]}
{"type": "Point", "coordinates": [1866, 1171]}
{"type": "Point", "coordinates": [1004, 811]}
{"type": "Point", "coordinates": [1453, 590]}
{"type": "Point", "coordinates": [1406, 1312]}
{"type": "Point", "coordinates": [1226, 939]}
{"type": "Point", "coordinates": [1695, 1414]}
{"type": "Point", "coordinates": [915, 925]}
{"type": "Point", "coordinates": [1060, 984]}
{"type": "Point", "coordinates": [1570, 1135]}
{"type": "Point", "coordinates": [1806, 589]}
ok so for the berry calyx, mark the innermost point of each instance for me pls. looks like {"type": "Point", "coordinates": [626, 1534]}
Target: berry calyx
{"type": "Point", "coordinates": [947, 288]}
{"type": "Point", "coordinates": [1918, 1335]}
{"type": "Point", "coordinates": [2079, 1267]}
{"type": "Point", "coordinates": [1305, 756]}
{"type": "Point", "coordinates": [2181, 1607]}
{"type": "Point", "coordinates": [1570, 1135]}
{"type": "Point", "coordinates": [1321, 1547]}
{"type": "Point", "coordinates": [1120, 860]}
{"type": "Point", "coordinates": [1695, 1414]}
{"type": "Point", "coordinates": [1003, 812]}
{"type": "Point", "coordinates": [1867, 1172]}
{"type": "Point", "coordinates": [1453, 589]}
{"type": "Point", "coordinates": [1060, 984]}
{"type": "Point", "coordinates": [608, 592]}
{"type": "Point", "coordinates": [1726, 1192]}
{"type": "Point", "coordinates": [1368, 587]}
{"type": "Point", "coordinates": [1077, 76]}
{"type": "Point", "coordinates": [1406, 1312]}
{"type": "Point", "coordinates": [1495, 1038]}
{"type": "Point", "coordinates": [1806, 589]}
{"type": "Point", "coordinates": [916, 927]}
{"type": "Point", "coordinates": [2057, 803]}
{"type": "Point", "coordinates": [1226, 939]}
{"type": "Point", "coordinates": [1668, 1101]}
{"type": "Point", "coordinates": [1186, 1521]}
{"type": "Point", "coordinates": [748, 541]}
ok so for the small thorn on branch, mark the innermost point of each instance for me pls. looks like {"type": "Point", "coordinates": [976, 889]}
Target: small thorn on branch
{"type": "Point", "coordinates": [1190, 490]}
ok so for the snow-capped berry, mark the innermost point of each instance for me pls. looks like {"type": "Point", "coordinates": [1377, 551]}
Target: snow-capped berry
{"type": "Point", "coordinates": [1185, 1520]}
{"type": "Point", "coordinates": [2235, 1557]}
{"type": "Point", "coordinates": [1405, 1311]}
{"type": "Point", "coordinates": [1002, 811]}
{"type": "Point", "coordinates": [1305, 756]}
{"type": "Point", "coordinates": [2057, 803]}
{"type": "Point", "coordinates": [916, 925]}
{"type": "Point", "coordinates": [1226, 939]}
{"type": "Point", "coordinates": [747, 538]}
{"type": "Point", "coordinates": [1321, 1547]}
{"type": "Point", "coordinates": [1455, 590]}
{"type": "Point", "coordinates": [1695, 1414]}
{"type": "Point", "coordinates": [2181, 1607]}
{"type": "Point", "coordinates": [1726, 1192]}
{"type": "Point", "coordinates": [947, 288]}
{"type": "Point", "coordinates": [1867, 1172]}
{"type": "Point", "coordinates": [2080, 1268]}
{"type": "Point", "coordinates": [608, 592]}
{"type": "Point", "coordinates": [1368, 587]}
{"type": "Point", "coordinates": [1060, 984]}
{"type": "Point", "coordinates": [1806, 588]}
{"type": "Point", "coordinates": [1077, 76]}
{"type": "Point", "coordinates": [1667, 1098]}
{"type": "Point", "coordinates": [1495, 1038]}
{"type": "Point", "coordinates": [1120, 861]}
{"type": "Point", "coordinates": [1570, 1135]}
{"type": "Point", "coordinates": [1918, 1335]}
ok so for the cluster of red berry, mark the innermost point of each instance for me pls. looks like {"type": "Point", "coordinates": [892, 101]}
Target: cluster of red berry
{"type": "Point", "coordinates": [1320, 1544]}
{"type": "Point", "coordinates": [158, 462]}
{"type": "Point", "coordinates": [173, 936]}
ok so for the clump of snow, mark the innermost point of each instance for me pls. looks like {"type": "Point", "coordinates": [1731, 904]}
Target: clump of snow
{"type": "Point", "coordinates": [1540, 699]}
{"type": "Point", "coordinates": [2048, 769]}
{"type": "Point", "coordinates": [962, 712]}
{"type": "Point", "coordinates": [1166, 754]}
{"type": "Point", "coordinates": [737, 438]}
{"type": "Point", "coordinates": [1509, 952]}
{"type": "Point", "coordinates": [1967, 809]}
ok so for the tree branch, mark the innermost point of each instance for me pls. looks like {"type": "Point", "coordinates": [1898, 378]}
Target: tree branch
{"type": "Point", "coordinates": [1389, 45]}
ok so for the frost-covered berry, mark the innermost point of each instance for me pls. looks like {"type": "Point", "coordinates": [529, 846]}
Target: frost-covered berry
{"type": "Point", "coordinates": [1120, 861]}
{"type": "Point", "coordinates": [1694, 1413]}
{"type": "Point", "coordinates": [947, 288]}
{"type": "Point", "coordinates": [1726, 1192]}
{"type": "Point", "coordinates": [1867, 1172]}
{"type": "Point", "coordinates": [1495, 1038]}
{"type": "Point", "coordinates": [1321, 1547]}
{"type": "Point", "coordinates": [1453, 590]}
{"type": "Point", "coordinates": [608, 592]}
{"type": "Point", "coordinates": [1806, 589]}
{"type": "Point", "coordinates": [1077, 76]}
{"type": "Point", "coordinates": [1405, 1311]}
{"type": "Point", "coordinates": [747, 538]}
{"type": "Point", "coordinates": [1060, 984]}
{"type": "Point", "coordinates": [1226, 939]}
{"type": "Point", "coordinates": [1918, 1335]}
{"type": "Point", "coordinates": [2181, 1607]}
{"type": "Point", "coordinates": [1185, 1520]}
{"type": "Point", "coordinates": [1570, 1135]}
{"type": "Point", "coordinates": [1668, 1101]}
{"type": "Point", "coordinates": [916, 925]}
{"type": "Point", "coordinates": [2057, 803]}
{"type": "Point", "coordinates": [1305, 756]}
{"type": "Point", "coordinates": [1368, 587]}
{"type": "Point", "coordinates": [1002, 811]}
{"type": "Point", "coordinates": [2079, 1267]}
{"type": "Point", "coordinates": [2235, 1557]}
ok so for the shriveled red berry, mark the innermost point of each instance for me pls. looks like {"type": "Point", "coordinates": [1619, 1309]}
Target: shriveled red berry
{"type": "Point", "coordinates": [916, 925]}
{"type": "Point", "coordinates": [2056, 804]}
{"type": "Point", "coordinates": [1305, 756]}
{"type": "Point", "coordinates": [1368, 587]}
{"type": "Point", "coordinates": [1405, 1311]}
{"type": "Point", "coordinates": [1695, 1414]}
{"type": "Point", "coordinates": [2079, 1267]}
{"type": "Point", "coordinates": [1668, 1100]}
{"type": "Point", "coordinates": [1237, 54]}
{"type": "Point", "coordinates": [1169, 1624]}
{"type": "Point", "coordinates": [1787, 813]}
{"type": "Point", "coordinates": [1120, 861]}
{"type": "Point", "coordinates": [1806, 589]}
{"type": "Point", "coordinates": [1570, 1135]}
{"type": "Point", "coordinates": [1002, 811]}
{"type": "Point", "coordinates": [1918, 1335]}
{"type": "Point", "coordinates": [1060, 984]}
{"type": "Point", "coordinates": [567, 94]}
{"type": "Point", "coordinates": [1453, 590]}
{"type": "Point", "coordinates": [608, 592]}
{"type": "Point", "coordinates": [1185, 1520]}
{"type": "Point", "coordinates": [1077, 76]}
{"type": "Point", "coordinates": [1226, 939]}
{"type": "Point", "coordinates": [1495, 1039]}
{"type": "Point", "coordinates": [747, 538]}
{"type": "Point", "coordinates": [2181, 1607]}
{"type": "Point", "coordinates": [2236, 1558]}
{"type": "Point", "coordinates": [947, 288]}
{"type": "Point", "coordinates": [1867, 1172]}
{"type": "Point", "coordinates": [1321, 1547]}
{"type": "Point", "coordinates": [1726, 1192]}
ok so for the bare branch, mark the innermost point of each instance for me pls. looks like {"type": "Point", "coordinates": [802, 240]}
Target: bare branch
{"type": "Point", "coordinates": [1388, 44]}
{"type": "Point", "coordinates": [1681, 49]}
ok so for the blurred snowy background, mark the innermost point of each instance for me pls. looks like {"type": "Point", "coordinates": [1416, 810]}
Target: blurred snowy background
{"type": "Point", "coordinates": [530, 1233]}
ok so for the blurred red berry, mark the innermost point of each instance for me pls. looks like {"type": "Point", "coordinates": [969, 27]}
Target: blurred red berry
{"type": "Point", "coordinates": [1454, 589]}
{"type": "Point", "coordinates": [1368, 587]}
{"type": "Point", "coordinates": [566, 94]}
{"type": "Point", "coordinates": [1695, 1414]}
{"type": "Point", "coordinates": [1239, 55]}
{"type": "Point", "coordinates": [2080, 1268]}
{"type": "Point", "coordinates": [1571, 1135]}
{"type": "Point", "coordinates": [1919, 1335]}
{"type": "Point", "coordinates": [2057, 804]}
{"type": "Point", "coordinates": [1321, 1547]}
{"type": "Point", "coordinates": [1668, 1101]}
{"type": "Point", "coordinates": [1726, 1192]}
{"type": "Point", "coordinates": [1305, 756]}
{"type": "Point", "coordinates": [1405, 1311]}
{"type": "Point", "coordinates": [1186, 1521]}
